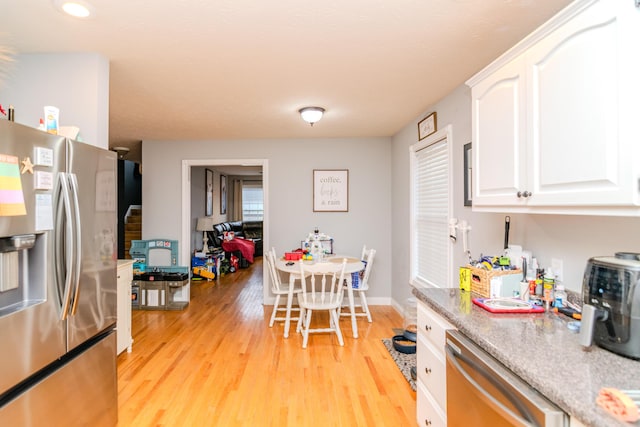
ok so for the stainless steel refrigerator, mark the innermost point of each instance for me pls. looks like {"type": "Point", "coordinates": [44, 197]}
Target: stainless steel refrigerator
{"type": "Point", "coordinates": [57, 281]}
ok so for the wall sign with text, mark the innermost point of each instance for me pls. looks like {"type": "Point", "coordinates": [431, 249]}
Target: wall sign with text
{"type": "Point", "coordinates": [330, 190]}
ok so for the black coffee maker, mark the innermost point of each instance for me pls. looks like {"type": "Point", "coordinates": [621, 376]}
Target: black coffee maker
{"type": "Point", "coordinates": [611, 310]}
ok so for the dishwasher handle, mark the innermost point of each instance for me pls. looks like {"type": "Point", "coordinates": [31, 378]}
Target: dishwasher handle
{"type": "Point", "coordinates": [507, 413]}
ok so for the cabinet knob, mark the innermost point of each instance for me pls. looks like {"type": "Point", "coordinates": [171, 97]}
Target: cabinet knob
{"type": "Point", "coordinates": [427, 328]}
{"type": "Point", "coordinates": [523, 194]}
{"type": "Point", "coordinates": [427, 370]}
{"type": "Point", "coordinates": [427, 422]}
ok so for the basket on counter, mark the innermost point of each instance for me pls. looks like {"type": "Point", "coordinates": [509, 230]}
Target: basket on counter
{"type": "Point", "coordinates": [481, 279]}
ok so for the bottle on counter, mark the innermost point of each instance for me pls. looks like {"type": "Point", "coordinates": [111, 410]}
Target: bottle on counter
{"type": "Point", "coordinates": [560, 296]}
{"type": "Point", "coordinates": [41, 125]}
{"type": "Point", "coordinates": [548, 284]}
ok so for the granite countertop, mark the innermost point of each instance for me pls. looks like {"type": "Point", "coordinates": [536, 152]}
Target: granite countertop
{"type": "Point", "coordinates": [543, 351]}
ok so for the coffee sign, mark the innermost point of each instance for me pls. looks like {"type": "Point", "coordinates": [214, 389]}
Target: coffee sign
{"type": "Point", "coordinates": [331, 190]}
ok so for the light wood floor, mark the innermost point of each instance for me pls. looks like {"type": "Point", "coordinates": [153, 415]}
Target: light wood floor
{"type": "Point", "coordinates": [218, 363]}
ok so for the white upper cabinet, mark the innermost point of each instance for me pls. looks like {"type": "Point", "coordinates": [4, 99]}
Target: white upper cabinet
{"type": "Point", "coordinates": [555, 119]}
{"type": "Point", "coordinates": [499, 136]}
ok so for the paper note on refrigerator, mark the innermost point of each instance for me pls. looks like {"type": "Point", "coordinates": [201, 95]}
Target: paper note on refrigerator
{"type": "Point", "coordinates": [11, 196]}
{"type": "Point", "coordinates": [44, 212]}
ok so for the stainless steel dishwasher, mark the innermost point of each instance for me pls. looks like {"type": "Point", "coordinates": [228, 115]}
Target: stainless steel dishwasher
{"type": "Point", "coordinates": [483, 392]}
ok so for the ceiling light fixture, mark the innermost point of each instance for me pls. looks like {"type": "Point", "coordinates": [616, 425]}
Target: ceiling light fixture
{"type": "Point", "coordinates": [75, 8]}
{"type": "Point", "coordinates": [311, 114]}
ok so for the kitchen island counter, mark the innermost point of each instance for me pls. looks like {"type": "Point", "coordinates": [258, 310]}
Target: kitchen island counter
{"type": "Point", "coordinates": [541, 350]}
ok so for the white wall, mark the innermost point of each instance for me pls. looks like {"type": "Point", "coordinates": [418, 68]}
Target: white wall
{"type": "Point", "coordinates": [291, 216]}
{"type": "Point", "coordinates": [76, 83]}
{"type": "Point", "coordinates": [574, 239]}
{"type": "Point", "coordinates": [486, 236]}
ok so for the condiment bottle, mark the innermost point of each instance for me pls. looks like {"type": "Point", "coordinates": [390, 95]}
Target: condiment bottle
{"type": "Point", "coordinates": [547, 286]}
{"type": "Point", "coordinates": [560, 296]}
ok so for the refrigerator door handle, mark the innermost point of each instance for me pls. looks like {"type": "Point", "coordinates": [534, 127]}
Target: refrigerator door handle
{"type": "Point", "coordinates": [62, 238]}
{"type": "Point", "coordinates": [77, 244]}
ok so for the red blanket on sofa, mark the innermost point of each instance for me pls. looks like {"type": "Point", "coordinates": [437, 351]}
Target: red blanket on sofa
{"type": "Point", "coordinates": [246, 247]}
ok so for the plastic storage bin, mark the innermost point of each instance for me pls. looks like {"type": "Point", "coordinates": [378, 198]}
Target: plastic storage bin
{"type": "Point", "coordinates": [410, 321]}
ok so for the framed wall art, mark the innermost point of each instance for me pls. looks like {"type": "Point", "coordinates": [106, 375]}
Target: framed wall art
{"type": "Point", "coordinates": [427, 126]}
{"type": "Point", "coordinates": [331, 190]}
{"type": "Point", "coordinates": [223, 194]}
{"type": "Point", "coordinates": [208, 185]}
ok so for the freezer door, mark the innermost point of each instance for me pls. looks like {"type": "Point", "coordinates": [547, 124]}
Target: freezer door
{"type": "Point", "coordinates": [82, 392]}
{"type": "Point", "coordinates": [31, 332]}
{"type": "Point", "coordinates": [93, 179]}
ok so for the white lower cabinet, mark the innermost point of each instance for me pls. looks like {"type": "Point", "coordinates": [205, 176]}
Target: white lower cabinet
{"type": "Point", "coordinates": [430, 414]}
{"type": "Point", "coordinates": [431, 366]}
{"type": "Point", "coordinates": [432, 371]}
{"type": "Point", "coordinates": [573, 422]}
{"type": "Point", "coordinates": [123, 325]}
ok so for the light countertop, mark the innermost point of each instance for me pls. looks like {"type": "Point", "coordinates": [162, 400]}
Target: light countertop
{"type": "Point", "coordinates": [543, 351]}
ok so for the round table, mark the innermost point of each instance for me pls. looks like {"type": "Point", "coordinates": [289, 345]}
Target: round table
{"type": "Point", "coordinates": [353, 265]}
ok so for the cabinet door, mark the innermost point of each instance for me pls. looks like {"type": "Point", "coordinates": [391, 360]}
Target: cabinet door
{"type": "Point", "coordinates": [499, 133]}
{"type": "Point", "coordinates": [123, 325]}
{"type": "Point", "coordinates": [432, 370]}
{"type": "Point", "coordinates": [428, 413]}
{"type": "Point", "coordinates": [579, 154]}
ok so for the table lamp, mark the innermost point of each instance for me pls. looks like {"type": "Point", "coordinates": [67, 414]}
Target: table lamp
{"type": "Point", "coordinates": [205, 224]}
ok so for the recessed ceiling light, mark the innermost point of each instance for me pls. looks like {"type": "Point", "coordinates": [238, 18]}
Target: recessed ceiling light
{"type": "Point", "coordinates": [75, 8]}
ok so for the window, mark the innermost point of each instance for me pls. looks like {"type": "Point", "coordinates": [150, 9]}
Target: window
{"type": "Point", "coordinates": [431, 251]}
{"type": "Point", "coordinates": [252, 202]}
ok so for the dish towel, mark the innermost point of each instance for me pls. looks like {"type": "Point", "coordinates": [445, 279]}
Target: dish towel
{"type": "Point", "coordinates": [623, 404]}
{"type": "Point", "coordinates": [355, 277]}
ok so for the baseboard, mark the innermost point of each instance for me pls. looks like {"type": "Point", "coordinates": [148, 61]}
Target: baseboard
{"type": "Point", "coordinates": [371, 301]}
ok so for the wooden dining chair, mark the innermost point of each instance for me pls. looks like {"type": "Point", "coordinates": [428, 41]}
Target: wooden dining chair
{"type": "Point", "coordinates": [321, 290]}
{"type": "Point", "coordinates": [279, 289]}
{"type": "Point", "coordinates": [361, 287]}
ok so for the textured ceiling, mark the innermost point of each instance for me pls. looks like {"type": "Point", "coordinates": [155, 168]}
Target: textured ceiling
{"type": "Point", "coordinates": [230, 69]}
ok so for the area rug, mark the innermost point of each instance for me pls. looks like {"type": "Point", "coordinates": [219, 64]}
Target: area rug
{"type": "Point", "coordinates": [404, 361]}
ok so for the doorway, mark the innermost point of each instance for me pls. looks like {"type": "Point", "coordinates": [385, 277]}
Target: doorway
{"type": "Point", "coordinates": [187, 226]}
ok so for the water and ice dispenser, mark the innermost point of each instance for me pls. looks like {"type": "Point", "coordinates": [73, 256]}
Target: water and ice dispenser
{"type": "Point", "coordinates": [22, 264]}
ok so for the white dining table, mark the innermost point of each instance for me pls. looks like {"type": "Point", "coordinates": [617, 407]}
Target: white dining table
{"type": "Point", "coordinates": [353, 265]}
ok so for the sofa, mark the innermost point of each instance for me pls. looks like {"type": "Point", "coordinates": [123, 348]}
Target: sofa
{"type": "Point", "coordinates": [246, 229]}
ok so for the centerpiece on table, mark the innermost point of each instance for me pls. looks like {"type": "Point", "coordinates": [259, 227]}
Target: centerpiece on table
{"type": "Point", "coordinates": [313, 245]}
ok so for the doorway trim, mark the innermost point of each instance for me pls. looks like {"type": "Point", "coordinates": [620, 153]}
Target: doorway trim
{"type": "Point", "coordinates": [185, 252]}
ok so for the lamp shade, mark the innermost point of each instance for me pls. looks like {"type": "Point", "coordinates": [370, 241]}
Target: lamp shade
{"type": "Point", "coordinates": [311, 114]}
{"type": "Point", "coordinates": [205, 224]}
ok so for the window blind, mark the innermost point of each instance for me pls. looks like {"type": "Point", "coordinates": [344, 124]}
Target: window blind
{"type": "Point", "coordinates": [252, 202]}
{"type": "Point", "coordinates": [431, 247]}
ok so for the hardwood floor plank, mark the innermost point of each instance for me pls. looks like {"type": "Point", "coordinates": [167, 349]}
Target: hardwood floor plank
{"type": "Point", "coordinates": [218, 363]}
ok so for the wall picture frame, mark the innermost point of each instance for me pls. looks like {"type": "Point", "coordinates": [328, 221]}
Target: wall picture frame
{"type": "Point", "coordinates": [208, 185]}
{"type": "Point", "coordinates": [427, 126]}
{"type": "Point", "coordinates": [331, 190]}
{"type": "Point", "coordinates": [223, 194]}
{"type": "Point", "coordinates": [468, 175]}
